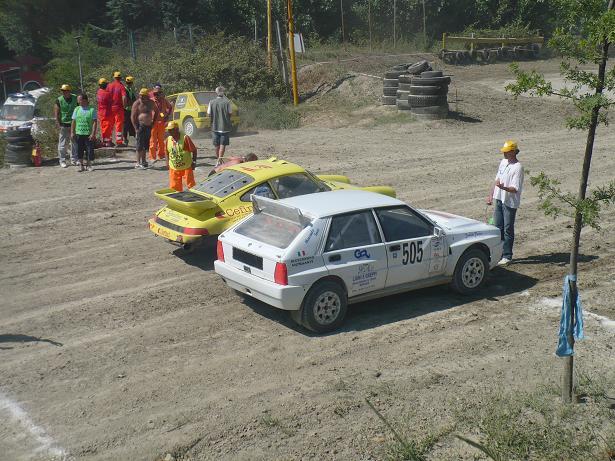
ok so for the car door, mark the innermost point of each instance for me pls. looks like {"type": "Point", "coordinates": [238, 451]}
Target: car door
{"type": "Point", "coordinates": [408, 237]}
{"type": "Point", "coordinates": [354, 252]}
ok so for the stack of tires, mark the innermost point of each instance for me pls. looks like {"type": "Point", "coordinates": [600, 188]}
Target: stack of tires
{"type": "Point", "coordinates": [427, 95]}
{"type": "Point", "coordinates": [390, 85]}
{"type": "Point", "coordinates": [18, 148]}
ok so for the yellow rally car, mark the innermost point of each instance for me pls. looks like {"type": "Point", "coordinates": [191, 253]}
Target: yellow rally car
{"type": "Point", "coordinates": [214, 205]}
{"type": "Point", "coordinates": [190, 111]}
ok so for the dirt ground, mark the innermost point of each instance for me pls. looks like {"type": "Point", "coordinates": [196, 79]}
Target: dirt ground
{"type": "Point", "coordinates": [115, 345]}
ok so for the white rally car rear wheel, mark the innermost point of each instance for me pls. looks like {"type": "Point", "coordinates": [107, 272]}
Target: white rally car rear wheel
{"type": "Point", "coordinates": [324, 308]}
{"type": "Point", "coordinates": [470, 272]}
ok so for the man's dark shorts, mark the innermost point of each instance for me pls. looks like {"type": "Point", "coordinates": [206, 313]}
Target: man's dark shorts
{"type": "Point", "coordinates": [143, 134]}
{"type": "Point", "coordinates": [220, 139]}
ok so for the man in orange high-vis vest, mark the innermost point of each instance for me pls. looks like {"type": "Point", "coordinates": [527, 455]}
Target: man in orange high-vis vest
{"type": "Point", "coordinates": [118, 101]}
{"type": "Point", "coordinates": [182, 158]}
{"type": "Point", "coordinates": [162, 113]}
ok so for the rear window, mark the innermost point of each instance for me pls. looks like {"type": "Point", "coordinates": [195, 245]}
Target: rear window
{"type": "Point", "coordinates": [203, 98]}
{"type": "Point", "coordinates": [17, 112]}
{"type": "Point", "coordinates": [224, 183]}
{"type": "Point", "coordinates": [269, 229]}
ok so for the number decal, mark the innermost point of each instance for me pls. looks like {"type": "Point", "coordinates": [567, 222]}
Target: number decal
{"type": "Point", "coordinates": [412, 252]}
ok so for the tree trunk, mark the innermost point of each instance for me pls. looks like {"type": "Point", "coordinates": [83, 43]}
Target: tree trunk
{"type": "Point", "coordinates": [568, 387]}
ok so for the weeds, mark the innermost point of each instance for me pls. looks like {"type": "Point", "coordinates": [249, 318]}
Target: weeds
{"type": "Point", "coordinates": [273, 422]}
{"type": "Point", "coordinates": [393, 118]}
{"type": "Point", "coordinates": [271, 114]}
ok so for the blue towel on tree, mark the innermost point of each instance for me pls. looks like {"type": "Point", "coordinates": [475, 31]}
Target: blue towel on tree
{"type": "Point", "coordinates": [564, 348]}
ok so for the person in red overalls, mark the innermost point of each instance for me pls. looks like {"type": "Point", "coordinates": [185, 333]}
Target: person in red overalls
{"type": "Point", "coordinates": [118, 102]}
{"type": "Point", "coordinates": [103, 98]}
{"type": "Point", "coordinates": [162, 113]}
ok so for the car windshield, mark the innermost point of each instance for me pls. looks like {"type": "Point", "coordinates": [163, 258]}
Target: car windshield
{"type": "Point", "coordinates": [225, 183]}
{"type": "Point", "coordinates": [203, 97]}
{"type": "Point", "coordinates": [17, 112]}
{"type": "Point", "coordinates": [270, 229]}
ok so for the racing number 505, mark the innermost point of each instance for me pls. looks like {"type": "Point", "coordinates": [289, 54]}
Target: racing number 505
{"type": "Point", "coordinates": [412, 252]}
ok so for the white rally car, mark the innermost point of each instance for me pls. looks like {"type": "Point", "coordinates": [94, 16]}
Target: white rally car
{"type": "Point", "coordinates": [314, 254]}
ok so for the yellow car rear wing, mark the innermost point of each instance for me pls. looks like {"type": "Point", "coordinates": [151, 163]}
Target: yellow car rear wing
{"type": "Point", "coordinates": [186, 202]}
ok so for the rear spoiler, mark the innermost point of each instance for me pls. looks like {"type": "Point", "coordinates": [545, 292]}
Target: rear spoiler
{"type": "Point", "coordinates": [334, 178]}
{"type": "Point", "coordinates": [186, 202]}
{"type": "Point", "coordinates": [274, 208]}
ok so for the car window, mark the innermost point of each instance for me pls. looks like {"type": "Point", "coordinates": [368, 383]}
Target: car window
{"type": "Point", "coordinates": [295, 184]}
{"type": "Point", "coordinates": [352, 230]}
{"type": "Point", "coordinates": [225, 183]}
{"type": "Point", "coordinates": [269, 229]}
{"type": "Point", "coordinates": [203, 97]}
{"type": "Point", "coordinates": [17, 112]}
{"type": "Point", "coordinates": [401, 223]}
{"type": "Point", "coordinates": [262, 190]}
{"type": "Point", "coordinates": [181, 101]}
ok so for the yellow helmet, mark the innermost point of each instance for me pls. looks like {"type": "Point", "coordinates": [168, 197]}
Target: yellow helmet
{"type": "Point", "coordinates": [143, 92]}
{"type": "Point", "coordinates": [130, 79]}
{"type": "Point", "coordinates": [117, 74]}
{"type": "Point", "coordinates": [172, 125]}
{"type": "Point", "coordinates": [102, 80]}
{"type": "Point", "coordinates": [509, 146]}
{"type": "Point", "coordinates": [65, 87]}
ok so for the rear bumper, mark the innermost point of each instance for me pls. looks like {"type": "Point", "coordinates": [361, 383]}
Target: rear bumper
{"type": "Point", "coordinates": [288, 298]}
{"type": "Point", "coordinates": [171, 235]}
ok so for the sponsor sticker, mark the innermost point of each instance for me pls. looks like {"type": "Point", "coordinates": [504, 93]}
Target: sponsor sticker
{"type": "Point", "coordinates": [301, 261]}
{"type": "Point", "coordinates": [365, 277]}
{"type": "Point", "coordinates": [360, 254]}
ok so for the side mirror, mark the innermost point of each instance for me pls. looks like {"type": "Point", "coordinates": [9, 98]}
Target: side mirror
{"type": "Point", "coordinates": [437, 232]}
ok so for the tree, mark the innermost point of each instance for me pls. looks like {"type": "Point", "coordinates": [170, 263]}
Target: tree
{"type": "Point", "coordinates": [589, 30]}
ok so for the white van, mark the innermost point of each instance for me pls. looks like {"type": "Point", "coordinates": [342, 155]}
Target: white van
{"type": "Point", "coordinates": [20, 110]}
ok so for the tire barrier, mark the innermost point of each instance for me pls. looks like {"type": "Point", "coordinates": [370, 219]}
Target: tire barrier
{"type": "Point", "coordinates": [397, 82]}
{"type": "Point", "coordinates": [490, 55]}
{"type": "Point", "coordinates": [427, 97]}
{"type": "Point", "coordinates": [18, 152]}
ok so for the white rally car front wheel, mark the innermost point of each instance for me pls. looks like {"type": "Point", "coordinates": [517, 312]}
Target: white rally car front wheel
{"type": "Point", "coordinates": [470, 272]}
{"type": "Point", "coordinates": [324, 307]}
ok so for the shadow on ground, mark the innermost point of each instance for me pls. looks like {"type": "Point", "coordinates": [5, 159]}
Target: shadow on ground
{"type": "Point", "coordinates": [453, 115]}
{"type": "Point", "coordinates": [391, 309]}
{"type": "Point", "coordinates": [559, 259]}
{"type": "Point", "coordinates": [17, 338]}
{"type": "Point", "coordinates": [201, 256]}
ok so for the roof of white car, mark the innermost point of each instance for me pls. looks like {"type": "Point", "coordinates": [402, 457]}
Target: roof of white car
{"type": "Point", "coordinates": [331, 203]}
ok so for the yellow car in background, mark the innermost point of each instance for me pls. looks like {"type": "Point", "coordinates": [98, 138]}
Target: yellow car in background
{"type": "Point", "coordinates": [190, 111]}
{"type": "Point", "coordinates": [224, 198]}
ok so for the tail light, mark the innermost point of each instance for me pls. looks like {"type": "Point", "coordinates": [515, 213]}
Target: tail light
{"type": "Point", "coordinates": [220, 251]}
{"type": "Point", "coordinates": [195, 231]}
{"type": "Point", "coordinates": [280, 276]}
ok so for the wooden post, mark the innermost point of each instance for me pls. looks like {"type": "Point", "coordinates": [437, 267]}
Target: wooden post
{"type": "Point", "coordinates": [444, 40]}
{"type": "Point", "coordinates": [342, 16]}
{"type": "Point", "coordinates": [255, 32]}
{"type": "Point", "coordinates": [269, 33]}
{"type": "Point", "coordinates": [369, 22]}
{"type": "Point", "coordinates": [293, 63]}
{"type": "Point", "coordinates": [424, 26]}
{"type": "Point", "coordinates": [394, 24]}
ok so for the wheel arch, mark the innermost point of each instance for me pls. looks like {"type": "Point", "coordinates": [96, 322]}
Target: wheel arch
{"type": "Point", "coordinates": [330, 278]}
{"type": "Point", "coordinates": [457, 251]}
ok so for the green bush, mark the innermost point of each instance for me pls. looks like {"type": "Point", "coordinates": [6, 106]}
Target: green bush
{"type": "Point", "coordinates": [270, 114]}
{"type": "Point", "coordinates": [234, 62]}
{"type": "Point", "coordinates": [46, 136]}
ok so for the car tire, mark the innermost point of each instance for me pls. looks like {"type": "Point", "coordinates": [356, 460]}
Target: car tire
{"type": "Point", "coordinates": [189, 127]}
{"type": "Point", "coordinates": [387, 91]}
{"type": "Point", "coordinates": [405, 79]}
{"type": "Point", "coordinates": [389, 100]}
{"type": "Point", "coordinates": [393, 74]}
{"type": "Point", "coordinates": [404, 87]}
{"type": "Point", "coordinates": [390, 83]}
{"type": "Point", "coordinates": [431, 81]}
{"type": "Point", "coordinates": [324, 307]}
{"type": "Point", "coordinates": [429, 90]}
{"type": "Point", "coordinates": [418, 67]}
{"type": "Point", "coordinates": [470, 272]}
{"type": "Point", "coordinates": [426, 100]}
{"type": "Point", "coordinates": [431, 73]}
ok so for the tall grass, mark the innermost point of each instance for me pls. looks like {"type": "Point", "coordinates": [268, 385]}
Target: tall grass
{"type": "Point", "coordinates": [270, 114]}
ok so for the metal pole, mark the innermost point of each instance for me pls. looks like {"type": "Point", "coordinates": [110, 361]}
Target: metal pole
{"type": "Point", "coordinates": [255, 32]}
{"type": "Point", "coordinates": [269, 52]}
{"type": "Point", "coordinates": [175, 33]}
{"type": "Point", "coordinates": [190, 35]}
{"type": "Point", "coordinates": [281, 56]}
{"type": "Point", "coordinates": [293, 64]}
{"type": "Point", "coordinates": [342, 15]}
{"type": "Point", "coordinates": [78, 39]}
{"type": "Point", "coordinates": [394, 23]}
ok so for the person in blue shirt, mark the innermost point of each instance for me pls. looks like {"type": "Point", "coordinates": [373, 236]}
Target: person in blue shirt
{"type": "Point", "coordinates": [83, 130]}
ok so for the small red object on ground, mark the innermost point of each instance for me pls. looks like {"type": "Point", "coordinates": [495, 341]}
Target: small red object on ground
{"type": "Point", "coordinates": [37, 158]}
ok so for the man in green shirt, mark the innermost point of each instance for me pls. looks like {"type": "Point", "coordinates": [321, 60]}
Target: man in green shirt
{"type": "Point", "coordinates": [83, 129]}
{"type": "Point", "coordinates": [220, 111]}
{"type": "Point", "coordinates": [63, 111]}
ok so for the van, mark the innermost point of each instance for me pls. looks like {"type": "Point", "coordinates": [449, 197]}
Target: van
{"type": "Point", "coordinates": [20, 110]}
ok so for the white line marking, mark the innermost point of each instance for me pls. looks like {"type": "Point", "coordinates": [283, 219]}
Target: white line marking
{"type": "Point", "coordinates": [45, 443]}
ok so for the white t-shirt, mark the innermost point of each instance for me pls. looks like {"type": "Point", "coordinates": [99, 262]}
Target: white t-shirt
{"type": "Point", "coordinates": [510, 175]}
